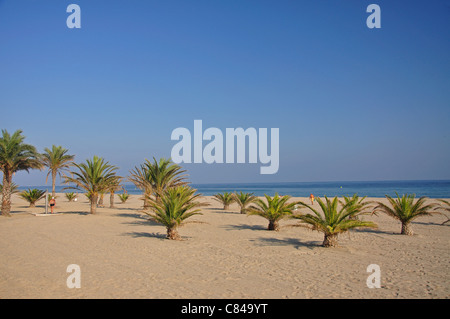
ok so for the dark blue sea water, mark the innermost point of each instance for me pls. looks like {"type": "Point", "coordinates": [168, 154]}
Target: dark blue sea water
{"type": "Point", "coordinates": [432, 189]}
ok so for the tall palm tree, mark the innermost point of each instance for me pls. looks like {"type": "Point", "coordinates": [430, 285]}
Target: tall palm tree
{"type": "Point", "coordinates": [15, 156]}
{"type": "Point", "coordinates": [226, 199]}
{"type": "Point", "coordinates": [333, 220]}
{"type": "Point", "coordinates": [243, 200]}
{"type": "Point", "coordinates": [274, 210]}
{"type": "Point", "coordinates": [57, 160]}
{"type": "Point", "coordinates": [93, 177]}
{"type": "Point", "coordinates": [173, 207]}
{"type": "Point", "coordinates": [405, 210]}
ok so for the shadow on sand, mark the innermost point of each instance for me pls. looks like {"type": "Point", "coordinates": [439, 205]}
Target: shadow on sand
{"type": "Point", "coordinates": [145, 234]}
{"type": "Point", "coordinates": [245, 226]}
{"type": "Point", "coordinates": [264, 241]}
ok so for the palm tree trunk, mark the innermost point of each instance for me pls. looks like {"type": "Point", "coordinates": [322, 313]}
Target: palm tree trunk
{"type": "Point", "coordinates": [6, 199]}
{"type": "Point", "coordinates": [406, 229]}
{"type": "Point", "coordinates": [100, 201]}
{"type": "Point", "coordinates": [226, 206]}
{"type": "Point", "coordinates": [111, 200]}
{"type": "Point", "coordinates": [273, 225]}
{"type": "Point", "coordinates": [94, 204]}
{"type": "Point", "coordinates": [330, 240]}
{"type": "Point", "coordinates": [53, 183]}
{"type": "Point", "coordinates": [172, 233]}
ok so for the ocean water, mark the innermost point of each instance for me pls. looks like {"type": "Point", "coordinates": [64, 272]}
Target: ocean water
{"type": "Point", "coordinates": [432, 189]}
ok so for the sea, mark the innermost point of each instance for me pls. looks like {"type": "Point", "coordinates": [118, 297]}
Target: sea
{"type": "Point", "coordinates": [429, 188]}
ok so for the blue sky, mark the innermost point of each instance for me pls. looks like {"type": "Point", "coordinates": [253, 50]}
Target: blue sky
{"type": "Point", "coordinates": [351, 103]}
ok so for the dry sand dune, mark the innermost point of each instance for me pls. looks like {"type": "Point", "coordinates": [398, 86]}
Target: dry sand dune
{"type": "Point", "coordinates": [223, 254]}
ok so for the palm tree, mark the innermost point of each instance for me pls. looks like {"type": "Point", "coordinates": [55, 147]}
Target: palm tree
{"type": "Point", "coordinates": [164, 174]}
{"type": "Point", "coordinates": [275, 209]}
{"type": "Point", "coordinates": [92, 176]}
{"type": "Point", "coordinates": [123, 197]}
{"type": "Point", "coordinates": [57, 160]}
{"type": "Point", "coordinates": [446, 207]}
{"type": "Point", "coordinates": [15, 156]}
{"type": "Point", "coordinates": [32, 196]}
{"type": "Point", "coordinates": [243, 200]}
{"type": "Point", "coordinates": [226, 199]}
{"type": "Point", "coordinates": [355, 202]}
{"type": "Point", "coordinates": [71, 196]}
{"type": "Point", "coordinates": [333, 221]}
{"type": "Point", "coordinates": [155, 177]}
{"type": "Point", "coordinates": [139, 176]}
{"type": "Point", "coordinates": [173, 206]}
{"type": "Point", "coordinates": [405, 210]}
{"type": "Point", "coordinates": [113, 186]}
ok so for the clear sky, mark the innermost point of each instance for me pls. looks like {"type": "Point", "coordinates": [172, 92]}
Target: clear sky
{"type": "Point", "coordinates": [351, 103]}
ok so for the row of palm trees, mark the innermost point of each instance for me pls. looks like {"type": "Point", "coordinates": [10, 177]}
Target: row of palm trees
{"type": "Point", "coordinates": [95, 176]}
{"type": "Point", "coordinates": [171, 201]}
{"type": "Point", "coordinates": [335, 216]}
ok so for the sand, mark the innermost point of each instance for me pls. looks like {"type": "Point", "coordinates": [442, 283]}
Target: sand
{"type": "Point", "coordinates": [224, 254]}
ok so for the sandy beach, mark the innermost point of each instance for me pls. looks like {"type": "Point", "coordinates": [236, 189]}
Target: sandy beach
{"type": "Point", "coordinates": [223, 254]}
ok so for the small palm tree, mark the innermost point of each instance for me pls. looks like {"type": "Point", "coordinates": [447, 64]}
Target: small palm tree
{"type": "Point", "coordinates": [173, 207]}
{"type": "Point", "coordinates": [355, 203]}
{"type": "Point", "coordinates": [446, 207]}
{"type": "Point", "coordinates": [333, 221]}
{"type": "Point", "coordinates": [113, 186]}
{"type": "Point", "coordinates": [243, 200]}
{"type": "Point", "coordinates": [15, 156]}
{"type": "Point", "coordinates": [32, 196]}
{"type": "Point", "coordinates": [93, 177]}
{"type": "Point", "coordinates": [123, 197]}
{"type": "Point", "coordinates": [405, 210]}
{"type": "Point", "coordinates": [274, 210]}
{"type": "Point", "coordinates": [226, 199]}
{"type": "Point", "coordinates": [71, 196]}
{"type": "Point", "coordinates": [57, 160]}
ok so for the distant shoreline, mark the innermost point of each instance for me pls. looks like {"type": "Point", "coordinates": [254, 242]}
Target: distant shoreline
{"type": "Point", "coordinates": [429, 188]}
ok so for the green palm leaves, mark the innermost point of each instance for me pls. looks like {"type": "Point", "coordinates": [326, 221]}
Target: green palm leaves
{"type": "Point", "coordinates": [173, 207]}
{"type": "Point", "coordinates": [226, 199]}
{"type": "Point", "coordinates": [334, 219]}
{"type": "Point", "coordinates": [445, 206]}
{"type": "Point", "coordinates": [56, 160]}
{"type": "Point", "coordinates": [404, 209]}
{"type": "Point", "coordinates": [273, 209]}
{"type": "Point", "coordinates": [244, 200]}
{"type": "Point", "coordinates": [93, 176]}
{"type": "Point", "coordinates": [32, 196]}
{"type": "Point", "coordinates": [155, 177]}
{"type": "Point", "coordinates": [15, 156]}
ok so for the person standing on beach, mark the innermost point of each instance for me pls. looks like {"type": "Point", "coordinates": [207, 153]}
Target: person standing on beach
{"type": "Point", "coordinates": [311, 197]}
{"type": "Point", "coordinates": [52, 204]}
